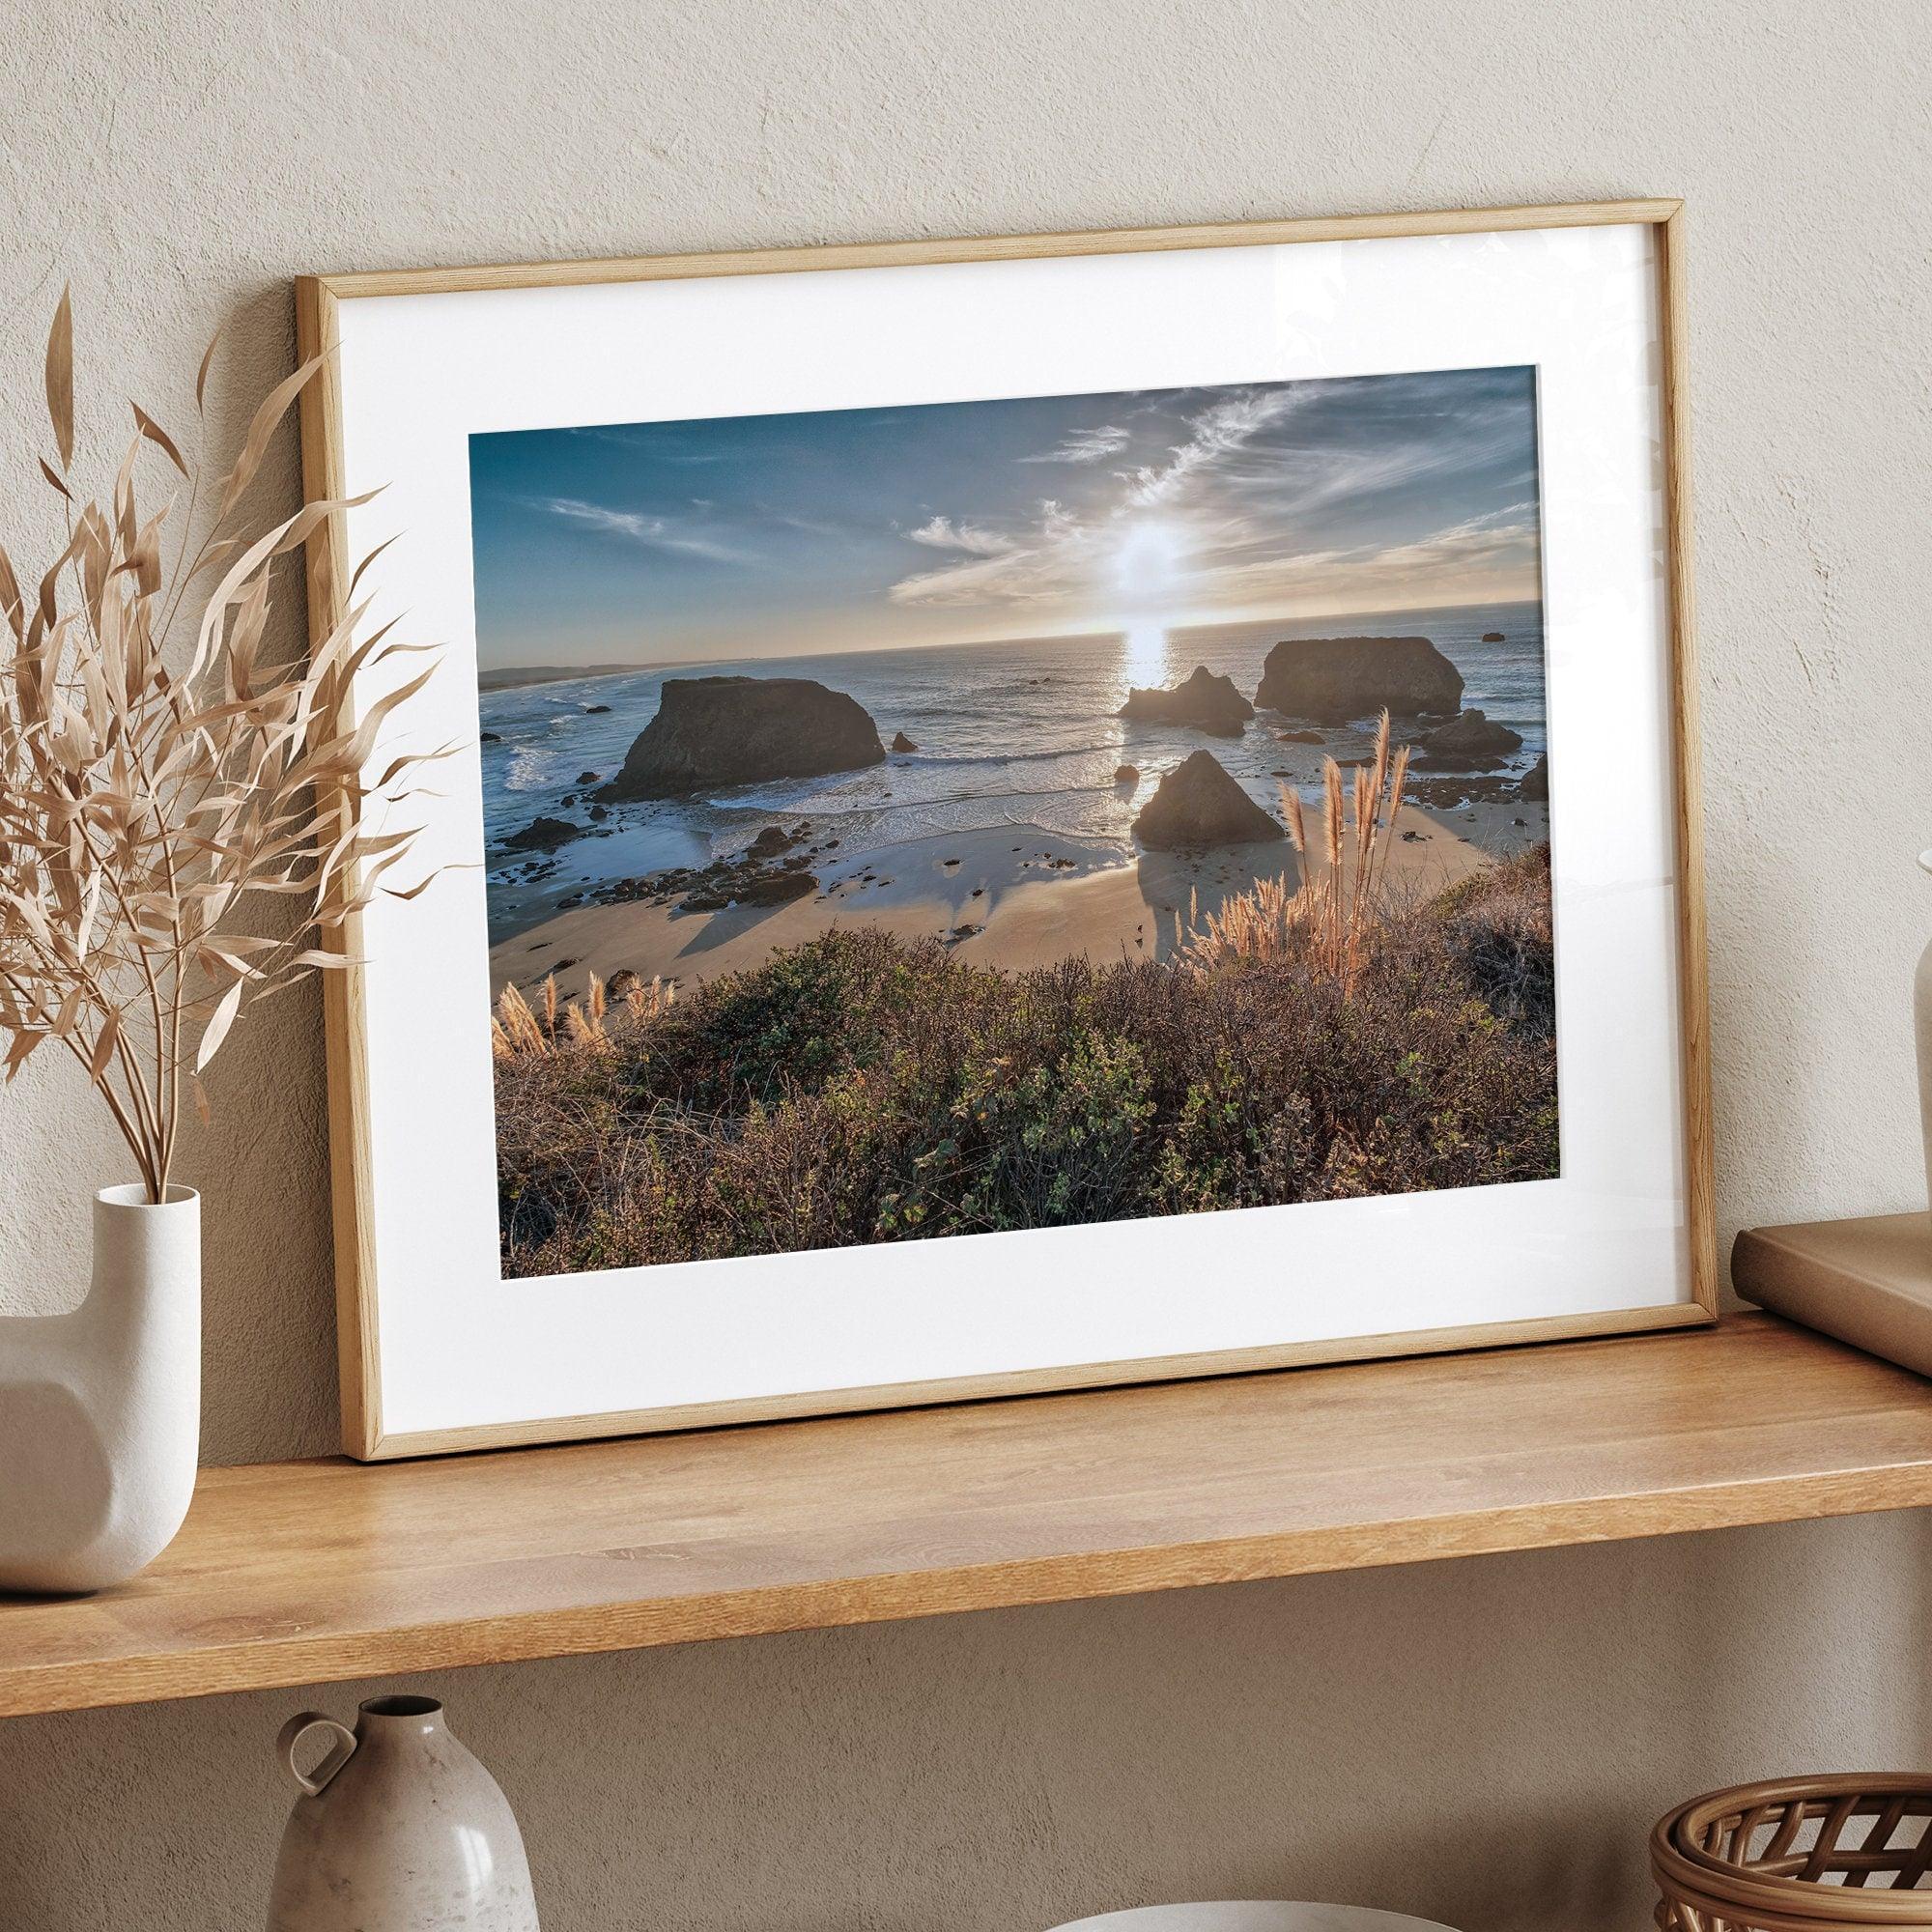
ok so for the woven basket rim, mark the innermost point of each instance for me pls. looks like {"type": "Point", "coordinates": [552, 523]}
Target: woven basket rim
{"type": "Point", "coordinates": [1790, 1902]}
{"type": "Point", "coordinates": [1746, 1915]}
{"type": "Point", "coordinates": [1678, 1824]}
{"type": "Point", "coordinates": [1688, 1875]}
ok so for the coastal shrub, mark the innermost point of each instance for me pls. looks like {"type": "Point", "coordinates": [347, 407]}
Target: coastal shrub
{"type": "Point", "coordinates": [1500, 925]}
{"type": "Point", "coordinates": [858, 1087]}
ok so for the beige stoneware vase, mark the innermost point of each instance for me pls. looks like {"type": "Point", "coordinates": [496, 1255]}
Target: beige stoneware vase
{"type": "Point", "coordinates": [398, 1829]}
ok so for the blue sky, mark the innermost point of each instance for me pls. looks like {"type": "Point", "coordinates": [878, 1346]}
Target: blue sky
{"type": "Point", "coordinates": [954, 521]}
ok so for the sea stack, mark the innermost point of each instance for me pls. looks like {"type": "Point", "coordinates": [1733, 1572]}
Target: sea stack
{"type": "Point", "coordinates": [1331, 680]}
{"type": "Point", "coordinates": [1197, 806]}
{"type": "Point", "coordinates": [712, 731]}
{"type": "Point", "coordinates": [1468, 742]}
{"type": "Point", "coordinates": [1205, 702]}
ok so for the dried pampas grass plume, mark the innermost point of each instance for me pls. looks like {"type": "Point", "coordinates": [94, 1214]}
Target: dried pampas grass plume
{"type": "Point", "coordinates": [517, 1028]}
{"type": "Point", "coordinates": [147, 809]}
{"type": "Point", "coordinates": [1330, 922]}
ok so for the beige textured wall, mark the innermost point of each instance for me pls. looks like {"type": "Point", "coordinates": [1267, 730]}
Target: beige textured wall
{"type": "Point", "coordinates": [1481, 1742]}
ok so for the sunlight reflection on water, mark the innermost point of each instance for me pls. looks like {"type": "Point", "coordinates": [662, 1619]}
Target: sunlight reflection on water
{"type": "Point", "coordinates": [1144, 653]}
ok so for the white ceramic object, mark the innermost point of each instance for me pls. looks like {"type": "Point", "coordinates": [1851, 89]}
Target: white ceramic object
{"type": "Point", "coordinates": [398, 1829]}
{"type": "Point", "coordinates": [1921, 1017]}
{"type": "Point", "coordinates": [100, 1409]}
{"type": "Point", "coordinates": [1252, 1915]}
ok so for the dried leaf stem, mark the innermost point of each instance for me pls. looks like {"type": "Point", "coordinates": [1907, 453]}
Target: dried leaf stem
{"type": "Point", "coordinates": [146, 815]}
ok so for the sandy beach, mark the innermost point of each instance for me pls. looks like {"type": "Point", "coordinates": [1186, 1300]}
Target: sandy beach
{"type": "Point", "coordinates": [1013, 897]}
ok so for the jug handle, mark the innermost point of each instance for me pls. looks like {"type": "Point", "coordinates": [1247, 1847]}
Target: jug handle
{"type": "Point", "coordinates": [338, 1755]}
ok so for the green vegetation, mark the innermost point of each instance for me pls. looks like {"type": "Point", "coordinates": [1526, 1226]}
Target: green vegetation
{"type": "Point", "coordinates": [855, 1089]}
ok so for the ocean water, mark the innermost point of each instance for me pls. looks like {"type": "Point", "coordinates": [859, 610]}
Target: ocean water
{"type": "Point", "coordinates": [1011, 733]}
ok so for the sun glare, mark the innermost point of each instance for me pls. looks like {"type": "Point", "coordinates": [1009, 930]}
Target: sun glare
{"type": "Point", "coordinates": [1148, 565]}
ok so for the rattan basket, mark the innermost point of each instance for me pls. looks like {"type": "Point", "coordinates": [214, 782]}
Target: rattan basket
{"type": "Point", "coordinates": [1798, 1855]}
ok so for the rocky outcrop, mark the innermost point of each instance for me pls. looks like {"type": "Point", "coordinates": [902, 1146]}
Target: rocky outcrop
{"type": "Point", "coordinates": [1468, 742]}
{"type": "Point", "coordinates": [1205, 702]}
{"type": "Point", "coordinates": [1468, 788]}
{"type": "Point", "coordinates": [771, 871]}
{"type": "Point", "coordinates": [776, 888]}
{"type": "Point", "coordinates": [1198, 805]}
{"type": "Point", "coordinates": [1302, 737]}
{"type": "Point", "coordinates": [1535, 783]}
{"type": "Point", "coordinates": [716, 731]}
{"type": "Point", "coordinates": [901, 743]}
{"type": "Point", "coordinates": [1331, 680]}
{"type": "Point", "coordinates": [544, 835]}
{"type": "Point", "coordinates": [1126, 775]}
{"type": "Point", "coordinates": [1492, 638]}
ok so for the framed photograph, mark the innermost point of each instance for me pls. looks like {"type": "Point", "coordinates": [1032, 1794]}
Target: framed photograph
{"type": "Point", "coordinates": [1020, 814]}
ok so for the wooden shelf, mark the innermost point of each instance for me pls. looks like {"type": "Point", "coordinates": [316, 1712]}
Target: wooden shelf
{"type": "Point", "coordinates": [294, 1572]}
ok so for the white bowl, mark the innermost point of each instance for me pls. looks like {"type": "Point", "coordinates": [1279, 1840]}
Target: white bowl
{"type": "Point", "coordinates": [1252, 1915]}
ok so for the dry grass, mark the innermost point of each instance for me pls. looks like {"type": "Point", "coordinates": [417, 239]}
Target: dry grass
{"type": "Point", "coordinates": [1331, 920]}
{"type": "Point", "coordinates": [147, 810]}
{"type": "Point", "coordinates": [518, 1028]}
{"type": "Point", "coordinates": [857, 1089]}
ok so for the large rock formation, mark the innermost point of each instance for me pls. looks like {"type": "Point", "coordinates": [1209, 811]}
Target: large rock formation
{"type": "Point", "coordinates": [1205, 702]}
{"type": "Point", "coordinates": [744, 730]}
{"type": "Point", "coordinates": [1198, 805]}
{"type": "Point", "coordinates": [544, 835]}
{"type": "Point", "coordinates": [1468, 742]}
{"type": "Point", "coordinates": [1334, 679]}
{"type": "Point", "coordinates": [1535, 784]}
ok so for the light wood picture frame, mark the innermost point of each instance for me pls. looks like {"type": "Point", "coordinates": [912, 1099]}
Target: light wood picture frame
{"type": "Point", "coordinates": [386, 1345]}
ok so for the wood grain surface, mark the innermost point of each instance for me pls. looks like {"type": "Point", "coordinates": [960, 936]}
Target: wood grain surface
{"type": "Point", "coordinates": [297, 1573]}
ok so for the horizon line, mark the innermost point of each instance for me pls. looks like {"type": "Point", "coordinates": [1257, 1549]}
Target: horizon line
{"type": "Point", "coordinates": [620, 667]}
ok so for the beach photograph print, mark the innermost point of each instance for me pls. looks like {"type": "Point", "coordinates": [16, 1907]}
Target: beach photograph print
{"type": "Point", "coordinates": [966, 817]}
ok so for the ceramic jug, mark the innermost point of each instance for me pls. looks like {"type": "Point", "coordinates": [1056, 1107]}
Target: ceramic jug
{"type": "Point", "coordinates": [398, 1829]}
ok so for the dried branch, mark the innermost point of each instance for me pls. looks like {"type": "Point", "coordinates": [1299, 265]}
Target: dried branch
{"type": "Point", "coordinates": [143, 814]}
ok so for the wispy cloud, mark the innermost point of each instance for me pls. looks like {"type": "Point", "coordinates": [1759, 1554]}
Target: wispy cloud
{"type": "Point", "coordinates": [652, 532]}
{"type": "Point", "coordinates": [943, 533]}
{"type": "Point", "coordinates": [649, 437]}
{"type": "Point", "coordinates": [1051, 560]}
{"type": "Point", "coordinates": [1085, 445]}
{"type": "Point", "coordinates": [1232, 563]}
{"type": "Point", "coordinates": [1218, 432]}
{"type": "Point", "coordinates": [1492, 555]}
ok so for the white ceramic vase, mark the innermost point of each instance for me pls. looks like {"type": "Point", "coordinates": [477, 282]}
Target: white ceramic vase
{"type": "Point", "coordinates": [100, 1409]}
{"type": "Point", "coordinates": [1921, 1018]}
{"type": "Point", "coordinates": [398, 1829]}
